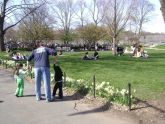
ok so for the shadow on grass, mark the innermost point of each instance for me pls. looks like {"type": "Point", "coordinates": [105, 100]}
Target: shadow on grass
{"type": "Point", "coordinates": [106, 106]}
{"type": "Point", "coordinates": [137, 101]}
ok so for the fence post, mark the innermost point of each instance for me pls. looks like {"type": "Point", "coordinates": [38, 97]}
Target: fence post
{"type": "Point", "coordinates": [94, 86]}
{"type": "Point", "coordinates": [6, 64]}
{"type": "Point", "coordinates": [129, 96]}
{"type": "Point", "coordinates": [31, 72]}
{"type": "Point", "coordinates": [3, 63]}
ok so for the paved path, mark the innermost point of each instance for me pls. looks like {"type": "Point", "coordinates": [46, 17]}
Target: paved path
{"type": "Point", "coordinates": [26, 110]}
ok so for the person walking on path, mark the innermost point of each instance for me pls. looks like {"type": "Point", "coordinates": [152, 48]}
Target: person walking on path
{"type": "Point", "coordinates": [19, 74]}
{"type": "Point", "coordinates": [41, 69]}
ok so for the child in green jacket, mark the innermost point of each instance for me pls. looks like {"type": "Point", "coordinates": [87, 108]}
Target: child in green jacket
{"type": "Point", "coordinates": [19, 76]}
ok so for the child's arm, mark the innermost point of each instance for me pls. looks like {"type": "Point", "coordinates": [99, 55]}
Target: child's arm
{"type": "Point", "coordinates": [55, 60]}
{"type": "Point", "coordinates": [54, 66]}
{"type": "Point", "coordinates": [15, 73]}
{"type": "Point", "coordinates": [25, 72]}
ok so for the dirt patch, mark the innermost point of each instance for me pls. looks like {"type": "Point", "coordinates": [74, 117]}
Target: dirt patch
{"type": "Point", "coordinates": [146, 112]}
{"type": "Point", "coordinates": [150, 111]}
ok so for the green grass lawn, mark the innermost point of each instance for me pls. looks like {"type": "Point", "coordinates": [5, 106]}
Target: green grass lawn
{"type": "Point", "coordinates": [161, 46]}
{"type": "Point", "coordinates": [147, 75]}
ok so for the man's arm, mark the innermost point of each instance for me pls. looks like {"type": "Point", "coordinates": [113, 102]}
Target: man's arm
{"type": "Point", "coordinates": [31, 56]}
{"type": "Point", "coordinates": [53, 53]}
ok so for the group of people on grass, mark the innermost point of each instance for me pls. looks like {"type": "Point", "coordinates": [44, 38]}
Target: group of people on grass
{"type": "Point", "coordinates": [87, 57]}
{"type": "Point", "coordinates": [136, 51]}
{"type": "Point", "coordinates": [42, 71]}
{"type": "Point", "coordinates": [16, 56]}
{"type": "Point", "coordinates": [139, 52]}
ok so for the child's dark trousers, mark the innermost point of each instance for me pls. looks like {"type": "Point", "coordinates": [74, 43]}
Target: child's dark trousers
{"type": "Point", "coordinates": [58, 85]}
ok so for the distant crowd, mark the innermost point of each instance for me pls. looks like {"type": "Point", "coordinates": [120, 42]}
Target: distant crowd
{"type": "Point", "coordinates": [59, 46]}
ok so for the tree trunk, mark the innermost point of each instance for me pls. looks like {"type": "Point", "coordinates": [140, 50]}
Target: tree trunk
{"type": "Point", "coordinates": [162, 2]}
{"type": "Point", "coordinates": [115, 29]}
{"type": "Point", "coordinates": [114, 47]}
{"type": "Point", "coordinates": [2, 48]}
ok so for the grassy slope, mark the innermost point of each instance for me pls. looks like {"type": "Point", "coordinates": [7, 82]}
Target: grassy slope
{"type": "Point", "coordinates": [146, 75]}
{"type": "Point", "coordinates": [161, 46]}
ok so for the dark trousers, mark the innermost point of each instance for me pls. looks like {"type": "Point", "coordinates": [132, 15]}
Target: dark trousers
{"type": "Point", "coordinates": [58, 85]}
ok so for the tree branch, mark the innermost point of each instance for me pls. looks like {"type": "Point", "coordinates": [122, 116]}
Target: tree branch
{"type": "Point", "coordinates": [23, 18]}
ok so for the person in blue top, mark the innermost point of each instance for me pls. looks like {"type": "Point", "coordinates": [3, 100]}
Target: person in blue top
{"type": "Point", "coordinates": [41, 69]}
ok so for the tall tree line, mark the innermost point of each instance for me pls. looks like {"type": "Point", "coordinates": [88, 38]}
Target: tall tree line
{"type": "Point", "coordinates": [65, 16]}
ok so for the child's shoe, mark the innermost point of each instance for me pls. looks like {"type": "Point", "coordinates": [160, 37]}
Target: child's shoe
{"type": "Point", "coordinates": [60, 97]}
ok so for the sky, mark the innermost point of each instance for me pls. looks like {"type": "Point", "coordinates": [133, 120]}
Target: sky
{"type": "Point", "coordinates": [157, 23]}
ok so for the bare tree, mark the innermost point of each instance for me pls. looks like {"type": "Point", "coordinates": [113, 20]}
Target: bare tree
{"type": "Point", "coordinates": [10, 35]}
{"type": "Point", "coordinates": [116, 18]}
{"type": "Point", "coordinates": [141, 15]}
{"type": "Point", "coordinates": [64, 12]}
{"type": "Point", "coordinates": [8, 10]}
{"type": "Point", "coordinates": [162, 2]}
{"type": "Point", "coordinates": [96, 10]}
{"type": "Point", "coordinates": [80, 12]}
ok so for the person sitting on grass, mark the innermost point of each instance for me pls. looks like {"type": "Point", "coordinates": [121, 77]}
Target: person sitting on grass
{"type": "Point", "coordinates": [86, 56]}
{"type": "Point", "coordinates": [19, 74]}
{"type": "Point", "coordinates": [139, 52]}
{"type": "Point", "coordinates": [58, 82]}
{"type": "Point", "coordinates": [60, 53]}
{"type": "Point", "coordinates": [96, 55]}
